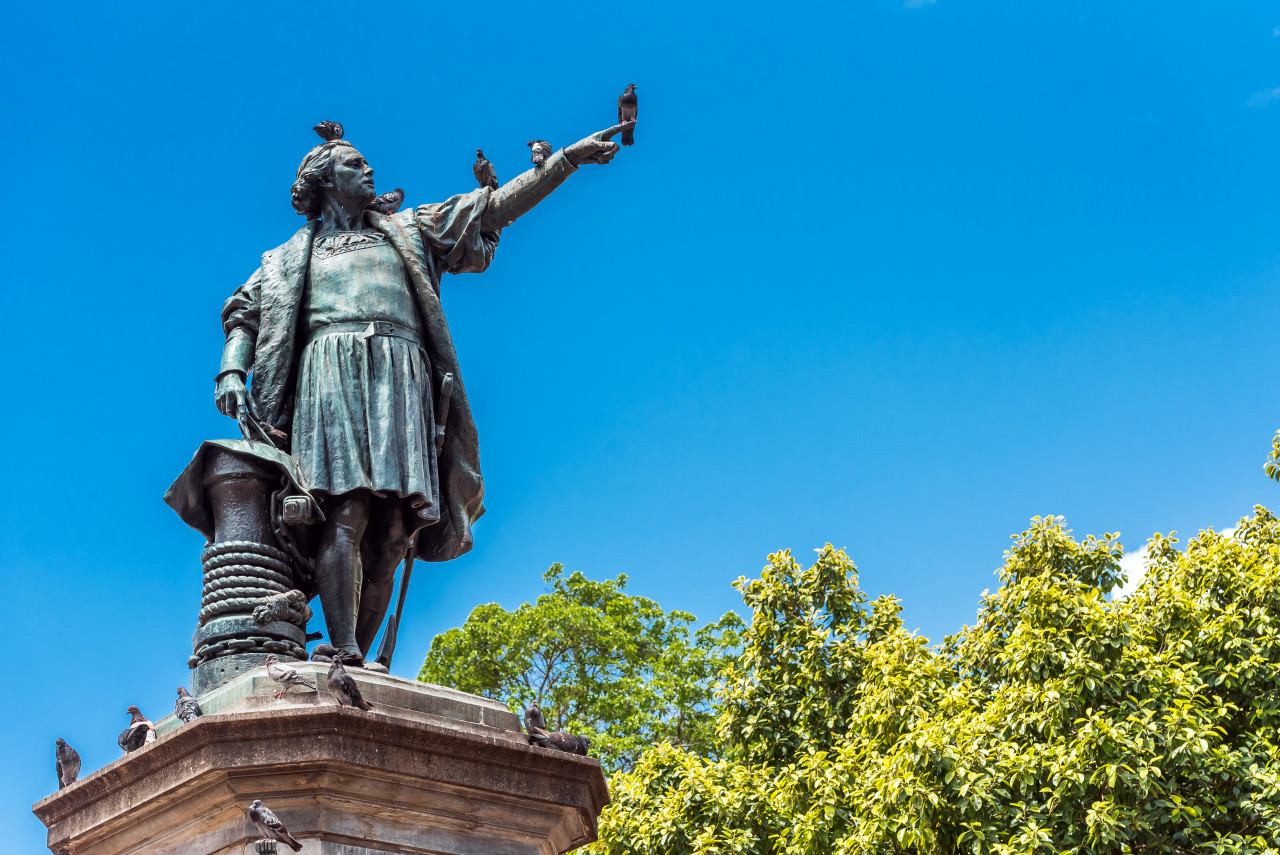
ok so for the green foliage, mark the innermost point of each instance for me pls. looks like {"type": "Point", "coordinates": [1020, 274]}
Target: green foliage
{"type": "Point", "coordinates": [1062, 721]}
{"type": "Point", "coordinates": [1272, 468]}
{"type": "Point", "coordinates": [600, 662]}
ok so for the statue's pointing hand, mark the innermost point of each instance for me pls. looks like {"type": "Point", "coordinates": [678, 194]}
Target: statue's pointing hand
{"type": "Point", "coordinates": [597, 148]}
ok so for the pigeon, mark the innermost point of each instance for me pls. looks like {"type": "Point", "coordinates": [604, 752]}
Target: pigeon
{"type": "Point", "coordinates": [68, 763]}
{"type": "Point", "coordinates": [326, 652]}
{"type": "Point", "coordinates": [483, 171]}
{"type": "Point", "coordinates": [329, 131]}
{"type": "Point", "coordinates": [140, 731]}
{"type": "Point", "coordinates": [388, 203]}
{"type": "Point", "coordinates": [628, 108]}
{"type": "Point", "coordinates": [185, 707]}
{"type": "Point", "coordinates": [533, 719]}
{"type": "Point", "coordinates": [270, 825]}
{"type": "Point", "coordinates": [344, 688]}
{"type": "Point", "coordinates": [541, 151]}
{"type": "Point", "coordinates": [285, 676]}
{"type": "Point", "coordinates": [560, 741]}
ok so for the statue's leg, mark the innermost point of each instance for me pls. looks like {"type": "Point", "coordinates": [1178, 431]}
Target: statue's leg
{"type": "Point", "coordinates": [384, 545]}
{"type": "Point", "coordinates": [338, 569]}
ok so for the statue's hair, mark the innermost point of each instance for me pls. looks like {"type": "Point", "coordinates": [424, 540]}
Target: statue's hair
{"type": "Point", "coordinates": [316, 168]}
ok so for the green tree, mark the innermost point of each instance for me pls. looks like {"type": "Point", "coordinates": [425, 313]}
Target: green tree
{"type": "Point", "coordinates": [600, 662]}
{"type": "Point", "coordinates": [1062, 721]}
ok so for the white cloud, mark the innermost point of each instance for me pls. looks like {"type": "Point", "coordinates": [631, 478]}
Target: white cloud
{"type": "Point", "coordinates": [1265, 97]}
{"type": "Point", "coordinates": [1134, 565]}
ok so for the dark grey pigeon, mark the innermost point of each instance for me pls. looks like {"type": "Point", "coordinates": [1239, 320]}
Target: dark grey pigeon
{"type": "Point", "coordinates": [344, 688]}
{"type": "Point", "coordinates": [329, 131]}
{"type": "Point", "coordinates": [541, 151]}
{"type": "Point", "coordinates": [628, 109]}
{"type": "Point", "coordinates": [185, 707]}
{"type": "Point", "coordinates": [285, 676]}
{"type": "Point", "coordinates": [270, 826]}
{"type": "Point", "coordinates": [68, 763]}
{"type": "Point", "coordinates": [388, 203]}
{"type": "Point", "coordinates": [325, 652]}
{"type": "Point", "coordinates": [560, 741]}
{"type": "Point", "coordinates": [533, 719]}
{"type": "Point", "coordinates": [139, 732]}
{"type": "Point", "coordinates": [484, 172]}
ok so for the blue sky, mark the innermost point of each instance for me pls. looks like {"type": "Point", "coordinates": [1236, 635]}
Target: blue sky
{"type": "Point", "coordinates": [892, 276]}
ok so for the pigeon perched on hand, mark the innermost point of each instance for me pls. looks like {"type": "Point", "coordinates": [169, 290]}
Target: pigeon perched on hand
{"type": "Point", "coordinates": [344, 688]}
{"type": "Point", "coordinates": [329, 131]}
{"type": "Point", "coordinates": [628, 108]}
{"type": "Point", "coordinates": [533, 719]}
{"type": "Point", "coordinates": [185, 707]}
{"type": "Point", "coordinates": [541, 150]}
{"type": "Point", "coordinates": [560, 741]}
{"type": "Point", "coordinates": [140, 731]}
{"type": "Point", "coordinates": [284, 675]}
{"type": "Point", "coordinates": [68, 763]}
{"type": "Point", "coordinates": [388, 203]}
{"type": "Point", "coordinates": [270, 826]}
{"type": "Point", "coordinates": [484, 172]}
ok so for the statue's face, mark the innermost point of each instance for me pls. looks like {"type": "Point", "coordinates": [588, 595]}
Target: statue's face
{"type": "Point", "coordinates": [352, 179]}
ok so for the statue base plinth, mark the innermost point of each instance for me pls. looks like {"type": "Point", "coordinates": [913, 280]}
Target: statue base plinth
{"type": "Point", "coordinates": [430, 770]}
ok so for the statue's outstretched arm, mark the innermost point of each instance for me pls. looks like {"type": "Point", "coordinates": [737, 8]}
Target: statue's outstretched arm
{"type": "Point", "coordinates": [518, 196]}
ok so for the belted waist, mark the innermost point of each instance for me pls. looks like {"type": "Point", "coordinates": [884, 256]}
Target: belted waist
{"type": "Point", "coordinates": [368, 329]}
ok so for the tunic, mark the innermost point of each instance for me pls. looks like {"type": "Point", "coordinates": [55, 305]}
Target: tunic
{"type": "Point", "coordinates": [363, 409]}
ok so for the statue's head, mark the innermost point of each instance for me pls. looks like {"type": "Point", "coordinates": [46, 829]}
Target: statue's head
{"type": "Point", "coordinates": [334, 168]}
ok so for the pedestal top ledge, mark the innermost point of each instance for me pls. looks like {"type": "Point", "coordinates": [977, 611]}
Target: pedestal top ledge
{"type": "Point", "coordinates": [430, 770]}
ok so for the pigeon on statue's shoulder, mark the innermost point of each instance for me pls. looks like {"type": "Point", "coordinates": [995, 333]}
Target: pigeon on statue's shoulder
{"type": "Point", "coordinates": [484, 172]}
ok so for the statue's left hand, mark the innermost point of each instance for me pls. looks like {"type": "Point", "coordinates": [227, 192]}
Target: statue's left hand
{"type": "Point", "coordinates": [597, 148]}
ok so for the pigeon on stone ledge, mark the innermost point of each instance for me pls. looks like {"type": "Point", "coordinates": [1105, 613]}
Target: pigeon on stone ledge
{"type": "Point", "coordinates": [284, 675]}
{"type": "Point", "coordinates": [270, 826]}
{"type": "Point", "coordinates": [185, 707]}
{"type": "Point", "coordinates": [140, 731]}
{"type": "Point", "coordinates": [533, 719]}
{"type": "Point", "coordinates": [68, 763]}
{"type": "Point", "coordinates": [344, 688]}
{"type": "Point", "coordinates": [560, 741]}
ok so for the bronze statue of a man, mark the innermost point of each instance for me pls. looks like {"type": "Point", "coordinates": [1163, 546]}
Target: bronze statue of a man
{"type": "Point", "coordinates": [343, 336]}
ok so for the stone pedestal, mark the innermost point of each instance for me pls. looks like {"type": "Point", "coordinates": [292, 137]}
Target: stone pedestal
{"type": "Point", "coordinates": [430, 770]}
